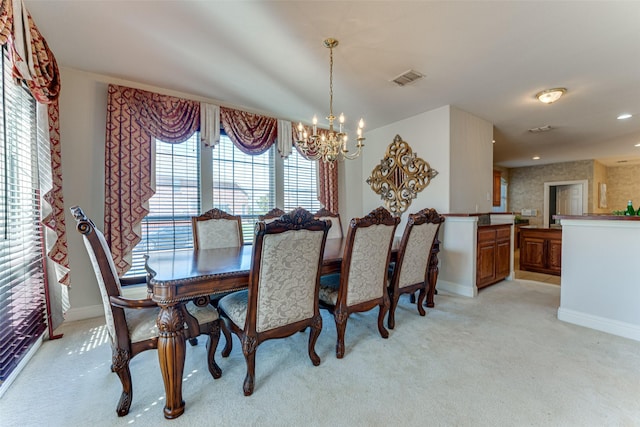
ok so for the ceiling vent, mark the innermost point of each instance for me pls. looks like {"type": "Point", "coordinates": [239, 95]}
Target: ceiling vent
{"type": "Point", "coordinates": [546, 128]}
{"type": "Point", "coordinates": [407, 77]}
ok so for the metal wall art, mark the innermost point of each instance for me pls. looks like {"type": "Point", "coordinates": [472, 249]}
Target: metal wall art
{"type": "Point", "coordinates": [400, 176]}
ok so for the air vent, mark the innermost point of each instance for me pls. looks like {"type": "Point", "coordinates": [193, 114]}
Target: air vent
{"type": "Point", "coordinates": [407, 77]}
{"type": "Point", "coordinates": [546, 128]}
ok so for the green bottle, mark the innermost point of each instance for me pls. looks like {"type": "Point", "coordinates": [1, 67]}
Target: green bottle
{"type": "Point", "coordinates": [638, 213]}
{"type": "Point", "coordinates": [630, 211]}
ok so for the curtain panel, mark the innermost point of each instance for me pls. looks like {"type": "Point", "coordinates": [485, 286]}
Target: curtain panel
{"type": "Point", "coordinates": [135, 116]}
{"type": "Point", "coordinates": [34, 63]}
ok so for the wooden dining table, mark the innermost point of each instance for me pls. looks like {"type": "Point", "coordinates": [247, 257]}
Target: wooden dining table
{"type": "Point", "coordinates": [175, 277]}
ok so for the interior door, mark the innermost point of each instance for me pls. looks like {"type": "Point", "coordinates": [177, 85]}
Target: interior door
{"type": "Point", "coordinates": [569, 199]}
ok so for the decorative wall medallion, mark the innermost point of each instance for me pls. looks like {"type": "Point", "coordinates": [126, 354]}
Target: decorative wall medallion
{"type": "Point", "coordinates": [400, 176]}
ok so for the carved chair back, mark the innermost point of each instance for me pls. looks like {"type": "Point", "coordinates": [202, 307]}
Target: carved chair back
{"type": "Point", "coordinates": [335, 232]}
{"type": "Point", "coordinates": [272, 215]}
{"type": "Point", "coordinates": [415, 247]}
{"type": "Point", "coordinates": [216, 229]}
{"type": "Point", "coordinates": [366, 257]}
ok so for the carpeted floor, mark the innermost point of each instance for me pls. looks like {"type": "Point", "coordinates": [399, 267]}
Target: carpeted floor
{"type": "Point", "coordinates": [501, 359]}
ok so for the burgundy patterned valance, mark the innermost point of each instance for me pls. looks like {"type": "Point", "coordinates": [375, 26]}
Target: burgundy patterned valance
{"type": "Point", "coordinates": [31, 57]}
{"type": "Point", "coordinates": [164, 117]}
{"type": "Point", "coordinates": [251, 133]}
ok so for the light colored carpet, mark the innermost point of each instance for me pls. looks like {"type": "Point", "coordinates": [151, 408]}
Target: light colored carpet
{"type": "Point", "coordinates": [502, 359]}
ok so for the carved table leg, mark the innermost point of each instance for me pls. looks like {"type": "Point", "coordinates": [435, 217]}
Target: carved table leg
{"type": "Point", "coordinates": [433, 272]}
{"type": "Point", "coordinates": [171, 353]}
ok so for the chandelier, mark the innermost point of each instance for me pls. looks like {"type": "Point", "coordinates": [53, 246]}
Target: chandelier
{"type": "Point", "coordinates": [329, 145]}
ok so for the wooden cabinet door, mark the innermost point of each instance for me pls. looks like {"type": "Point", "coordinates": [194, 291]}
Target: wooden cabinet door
{"type": "Point", "coordinates": [486, 272]}
{"type": "Point", "coordinates": [503, 259]}
{"type": "Point", "coordinates": [554, 255]}
{"type": "Point", "coordinates": [497, 175]}
{"type": "Point", "coordinates": [532, 251]}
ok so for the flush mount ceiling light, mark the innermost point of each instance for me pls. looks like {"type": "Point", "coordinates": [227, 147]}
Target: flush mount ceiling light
{"type": "Point", "coordinates": [550, 95]}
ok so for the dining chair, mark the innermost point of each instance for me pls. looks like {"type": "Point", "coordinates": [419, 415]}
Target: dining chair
{"type": "Point", "coordinates": [283, 286]}
{"type": "Point", "coordinates": [272, 215]}
{"type": "Point", "coordinates": [335, 232]}
{"type": "Point", "coordinates": [361, 284]}
{"type": "Point", "coordinates": [411, 270]}
{"type": "Point", "coordinates": [216, 229]}
{"type": "Point", "coordinates": [131, 324]}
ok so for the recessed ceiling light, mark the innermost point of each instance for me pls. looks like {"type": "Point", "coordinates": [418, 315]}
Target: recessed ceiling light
{"type": "Point", "coordinates": [545, 128]}
{"type": "Point", "coordinates": [550, 95]}
{"type": "Point", "coordinates": [493, 141]}
{"type": "Point", "coordinates": [624, 116]}
{"type": "Point", "coordinates": [637, 145]}
{"type": "Point", "coordinates": [536, 157]}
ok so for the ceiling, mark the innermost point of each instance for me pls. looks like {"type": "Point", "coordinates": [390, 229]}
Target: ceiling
{"type": "Point", "coordinates": [488, 58]}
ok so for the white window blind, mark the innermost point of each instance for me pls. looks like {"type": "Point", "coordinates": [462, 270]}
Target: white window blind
{"type": "Point", "coordinates": [22, 298]}
{"type": "Point", "coordinates": [300, 183]}
{"type": "Point", "coordinates": [177, 199]}
{"type": "Point", "coordinates": [243, 184]}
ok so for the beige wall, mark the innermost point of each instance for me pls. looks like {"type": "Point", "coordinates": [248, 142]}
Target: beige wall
{"type": "Point", "coordinates": [623, 184]}
{"type": "Point", "coordinates": [526, 185]}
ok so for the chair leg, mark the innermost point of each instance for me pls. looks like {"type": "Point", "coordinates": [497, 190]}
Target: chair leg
{"type": "Point", "coordinates": [249, 345]}
{"type": "Point", "coordinates": [120, 365]}
{"type": "Point", "coordinates": [212, 345]}
{"type": "Point", "coordinates": [313, 337]}
{"type": "Point", "coordinates": [341, 326]}
{"type": "Point", "coordinates": [421, 297]}
{"type": "Point", "coordinates": [228, 346]}
{"type": "Point", "coordinates": [391, 319]}
{"type": "Point", "coordinates": [384, 307]}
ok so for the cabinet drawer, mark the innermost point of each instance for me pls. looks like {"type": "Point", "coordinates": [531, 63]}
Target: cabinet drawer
{"type": "Point", "coordinates": [503, 233]}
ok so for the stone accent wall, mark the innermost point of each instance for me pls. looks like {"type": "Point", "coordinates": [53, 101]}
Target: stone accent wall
{"type": "Point", "coordinates": [600, 177]}
{"type": "Point", "coordinates": [623, 184]}
{"type": "Point", "coordinates": [526, 185]}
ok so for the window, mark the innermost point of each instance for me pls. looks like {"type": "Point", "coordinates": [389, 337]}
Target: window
{"type": "Point", "coordinates": [235, 182]}
{"type": "Point", "coordinates": [243, 184]}
{"type": "Point", "coordinates": [22, 298]}
{"type": "Point", "coordinates": [177, 199]}
{"type": "Point", "coordinates": [300, 183]}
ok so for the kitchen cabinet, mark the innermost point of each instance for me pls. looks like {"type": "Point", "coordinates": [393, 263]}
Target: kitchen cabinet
{"type": "Point", "coordinates": [497, 176]}
{"type": "Point", "coordinates": [493, 254]}
{"type": "Point", "coordinates": [541, 250]}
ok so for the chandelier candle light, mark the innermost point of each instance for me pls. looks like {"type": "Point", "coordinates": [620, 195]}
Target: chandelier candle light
{"type": "Point", "coordinates": [332, 145]}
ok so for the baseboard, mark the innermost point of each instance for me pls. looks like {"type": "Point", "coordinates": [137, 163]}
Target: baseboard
{"type": "Point", "coordinates": [614, 327]}
{"type": "Point", "coordinates": [456, 288]}
{"type": "Point", "coordinates": [82, 313]}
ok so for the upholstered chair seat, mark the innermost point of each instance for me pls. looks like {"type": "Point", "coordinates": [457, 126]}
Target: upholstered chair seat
{"type": "Point", "coordinates": [361, 284]}
{"type": "Point", "coordinates": [283, 287]}
{"type": "Point", "coordinates": [131, 324]}
{"type": "Point", "coordinates": [411, 271]}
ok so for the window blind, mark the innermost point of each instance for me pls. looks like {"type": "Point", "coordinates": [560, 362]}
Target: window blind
{"type": "Point", "coordinates": [300, 183]}
{"type": "Point", "coordinates": [243, 184]}
{"type": "Point", "coordinates": [22, 298]}
{"type": "Point", "coordinates": [177, 199]}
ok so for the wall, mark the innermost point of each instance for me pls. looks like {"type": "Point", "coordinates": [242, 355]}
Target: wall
{"type": "Point", "coordinates": [471, 180]}
{"type": "Point", "coordinates": [526, 185]}
{"type": "Point", "coordinates": [428, 135]}
{"type": "Point", "coordinates": [599, 177]}
{"type": "Point", "coordinates": [623, 184]}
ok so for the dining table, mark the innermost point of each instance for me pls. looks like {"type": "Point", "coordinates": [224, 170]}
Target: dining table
{"type": "Point", "coordinates": [176, 277]}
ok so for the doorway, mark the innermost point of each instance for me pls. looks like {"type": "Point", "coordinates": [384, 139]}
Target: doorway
{"type": "Point", "coordinates": [564, 198]}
